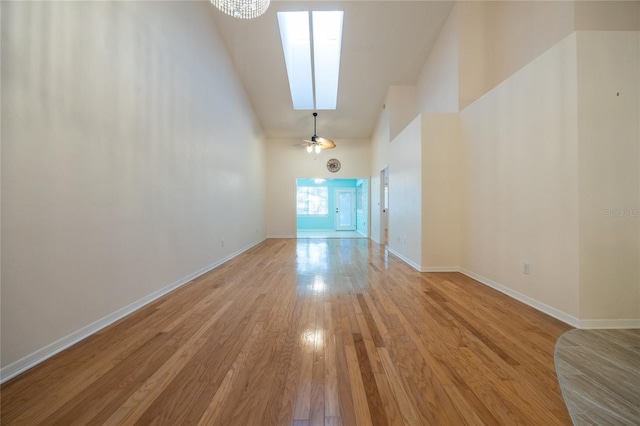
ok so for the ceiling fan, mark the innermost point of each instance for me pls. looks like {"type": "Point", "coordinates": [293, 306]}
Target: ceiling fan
{"type": "Point", "coordinates": [316, 144]}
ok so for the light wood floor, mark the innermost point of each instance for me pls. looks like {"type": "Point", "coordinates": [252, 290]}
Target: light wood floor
{"type": "Point", "coordinates": [599, 372]}
{"type": "Point", "coordinates": [307, 332]}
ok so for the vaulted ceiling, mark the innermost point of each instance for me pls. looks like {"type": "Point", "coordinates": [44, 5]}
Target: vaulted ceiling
{"type": "Point", "coordinates": [384, 43]}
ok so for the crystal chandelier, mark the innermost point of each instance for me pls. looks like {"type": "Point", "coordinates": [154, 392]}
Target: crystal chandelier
{"type": "Point", "coordinates": [243, 9]}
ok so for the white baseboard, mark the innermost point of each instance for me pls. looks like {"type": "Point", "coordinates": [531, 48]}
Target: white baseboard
{"type": "Point", "coordinates": [404, 259]}
{"type": "Point", "coordinates": [549, 310]}
{"type": "Point", "coordinates": [602, 324]}
{"type": "Point", "coordinates": [50, 350]}
{"type": "Point", "coordinates": [440, 269]}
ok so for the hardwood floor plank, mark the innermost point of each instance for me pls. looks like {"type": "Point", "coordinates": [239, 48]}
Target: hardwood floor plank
{"type": "Point", "coordinates": [316, 409]}
{"type": "Point", "coordinates": [114, 388]}
{"type": "Point", "coordinates": [347, 408]}
{"type": "Point", "coordinates": [204, 372]}
{"type": "Point", "coordinates": [331, 396]}
{"type": "Point", "coordinates": [374, 401]}
{"type": "Point", "coordinates": [138, 403]}
{"type": "Point", "coordinates": [214, 408]}
{"type": "Point", "coordinates": [407, 410]}
{"type": "Point", "coordinates": [312, 332]}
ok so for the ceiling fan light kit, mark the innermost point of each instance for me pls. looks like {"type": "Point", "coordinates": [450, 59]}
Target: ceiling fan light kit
{"type": "Point", "coordinates": [242, 9]}
{"type": "Point", "coordinates": [317, 144]}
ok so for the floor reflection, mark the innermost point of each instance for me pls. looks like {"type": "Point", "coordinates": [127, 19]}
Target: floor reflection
{"type": "Point", "coordinates": [332, 266]}
{"type": "Point", "coordinates": [311, 255]}
{"type": "Point", "coordinates": [318, 286]}
{"type": "Point", "coordinates": [313, 338]}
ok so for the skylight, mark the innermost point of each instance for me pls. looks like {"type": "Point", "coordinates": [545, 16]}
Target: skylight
{"type": "Point", "coordinates": [327, 41]}
{"type": "Point", "coordinates": [294, 31]}
{"type": "Point", "coordinates": [325, 34]}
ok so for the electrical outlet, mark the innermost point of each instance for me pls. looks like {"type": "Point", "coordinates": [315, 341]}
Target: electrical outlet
{"type": "Point", "coordinates": [222, 243]}
{"type": "Point", "coordinates": [526, 268]}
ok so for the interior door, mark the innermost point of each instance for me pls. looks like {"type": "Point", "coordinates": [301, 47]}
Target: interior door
{"type": "Point", "coordinates": [345, 202]}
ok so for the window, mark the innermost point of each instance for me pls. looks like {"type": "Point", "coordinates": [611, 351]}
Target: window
{"type": "Point", "coordinates": [313, 200]}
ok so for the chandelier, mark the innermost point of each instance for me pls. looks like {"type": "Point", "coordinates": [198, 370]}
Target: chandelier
{"type": "Point", "coordinates": [242, 9]}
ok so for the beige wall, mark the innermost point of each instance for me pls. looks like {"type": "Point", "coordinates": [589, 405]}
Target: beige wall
{"type": "Point", "coordinates": [520, 199]}
{"type": "Point", "coordinates": [609, 132]}
{"type": "Point", "coordinates": [424, 193]}
{"type": "Point", "coordinates": [405, 194]}
{"type": "Point", "coordinates": [484, 42]}
{"type": "Point", "coordinates": [607, 15]}
{"type": "Point", "coordinates": [520, 91]}
{"type": "Point", "coordinates": [286, 162]}
{"type": "Point", "coordinates": [523, 30]}
{"type": "Point", "coordinates": [129, 152]}
{"type": "Point", "coordinates": [440, 192]}
{"type": "Point", "coordinates": [437, 85]}
{"type": "Point", "coordinates": [476, 52]}
{"type": "Point", "coordinates": [401, 102]}
{"type": "Point", "coordinates": [379, 161]}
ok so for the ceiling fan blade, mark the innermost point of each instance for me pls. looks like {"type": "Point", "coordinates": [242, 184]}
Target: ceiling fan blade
{"type": "Point", "coordinates": [302, 143]}
{"type": "Point", "coordinates": [326, 143]}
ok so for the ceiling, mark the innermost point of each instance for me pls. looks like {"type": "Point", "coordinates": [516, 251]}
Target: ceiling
{"type": "Point", "coordinates": [384, 43]}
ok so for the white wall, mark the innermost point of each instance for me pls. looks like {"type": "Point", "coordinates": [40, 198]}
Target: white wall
{"type": "Point", "coordinates": [609, 132]}
{"type": "Point", "coordinates": [405, 194]}
{"type": "Point", "coordinates": [129, 151]}
{"type": "Point", "coordinates": [286, 162]}
{"type": "Point", "coordinates": [520, 182]}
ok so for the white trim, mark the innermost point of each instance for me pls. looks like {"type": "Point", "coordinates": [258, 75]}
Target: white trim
{"type": "Point", "coordinates": [607, 323]}
{"type": "Point", "coordinates": [549, 310]}
{"type": "Point", "coordinates": [50, 350]}
{"type": "Point", "coordinates": [440, 269]}
{"type": "Point", "coordinates": [404, 259]}
{"type": "Point", "coordinates": [375, 240]}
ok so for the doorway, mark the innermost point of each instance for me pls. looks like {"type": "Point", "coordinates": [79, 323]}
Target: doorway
{"type": "Point", "coordinates": [384, 206]}
{"type": "Point", "coordinates": [332, 208]}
